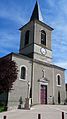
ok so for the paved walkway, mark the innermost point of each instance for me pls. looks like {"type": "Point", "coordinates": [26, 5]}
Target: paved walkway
{"type": "Point", "coordinates": [46, 111]}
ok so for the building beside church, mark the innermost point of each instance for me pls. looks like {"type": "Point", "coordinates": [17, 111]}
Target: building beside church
{"type": "Point", "coordinates": [38, 78]}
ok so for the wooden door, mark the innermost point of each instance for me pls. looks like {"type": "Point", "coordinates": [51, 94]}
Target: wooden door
{"type": "Point", "coordinates": [43, 94]}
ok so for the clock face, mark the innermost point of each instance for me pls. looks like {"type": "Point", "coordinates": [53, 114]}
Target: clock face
{"type": "Point", "coordinates": [43, 51]}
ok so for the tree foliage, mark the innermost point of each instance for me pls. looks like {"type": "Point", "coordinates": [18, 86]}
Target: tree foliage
{"type": "Point", "coordinates": [8, 74]}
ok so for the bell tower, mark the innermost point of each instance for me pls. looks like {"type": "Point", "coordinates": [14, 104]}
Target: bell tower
{"type": "Point", "coordinates": [35, 39]}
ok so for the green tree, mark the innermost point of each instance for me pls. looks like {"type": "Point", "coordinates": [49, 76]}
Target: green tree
{"type": "Point", "coordinates": [8, 75]}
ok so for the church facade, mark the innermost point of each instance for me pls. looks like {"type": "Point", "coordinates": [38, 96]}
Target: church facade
{"type": "Point", "coordinates": [39, 79]}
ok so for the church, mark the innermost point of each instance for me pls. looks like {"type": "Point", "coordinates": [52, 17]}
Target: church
{"type": "Point", "coordinates": [39, 80]}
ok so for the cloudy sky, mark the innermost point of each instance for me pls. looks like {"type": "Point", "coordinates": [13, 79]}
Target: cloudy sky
{"type": "Point", "coordinates": [16, 13]}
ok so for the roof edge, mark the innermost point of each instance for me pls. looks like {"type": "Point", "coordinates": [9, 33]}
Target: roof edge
{"type": "Point", "coordinates": [38, 22]}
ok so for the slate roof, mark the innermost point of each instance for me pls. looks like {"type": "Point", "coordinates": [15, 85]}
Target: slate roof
{"type": "Point", "coordinates": [36, 14]}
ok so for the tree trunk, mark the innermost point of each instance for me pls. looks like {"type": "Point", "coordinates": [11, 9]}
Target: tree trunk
{"type": "Point", "coordinates": [6, 102]}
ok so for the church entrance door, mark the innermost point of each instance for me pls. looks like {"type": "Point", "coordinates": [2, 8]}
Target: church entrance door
{"type": "Point", "coordinates": [43, 94]}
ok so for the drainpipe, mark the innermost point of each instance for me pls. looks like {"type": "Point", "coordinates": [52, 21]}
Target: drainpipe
{"type": "Point", "coordinates": [53, 86]}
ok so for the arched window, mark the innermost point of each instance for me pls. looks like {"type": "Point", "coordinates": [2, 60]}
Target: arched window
{"type": "Point", "coordinates": [58, 79]}
{"type": "Point", "coordinates": [43, 37]}
{"type": "Point", "coordinates": [59, 99]}
{"type": "Point", "coordinates": [27, 37]}
{"type": "Point", "coordinates": [23, 72]}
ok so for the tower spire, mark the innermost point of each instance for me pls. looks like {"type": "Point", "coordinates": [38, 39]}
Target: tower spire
{"type": "Point", "coordinates": [36, 14]}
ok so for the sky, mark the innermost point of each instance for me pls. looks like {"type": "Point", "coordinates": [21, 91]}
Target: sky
{"type": "Point", "coordinates": [16, 13]}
